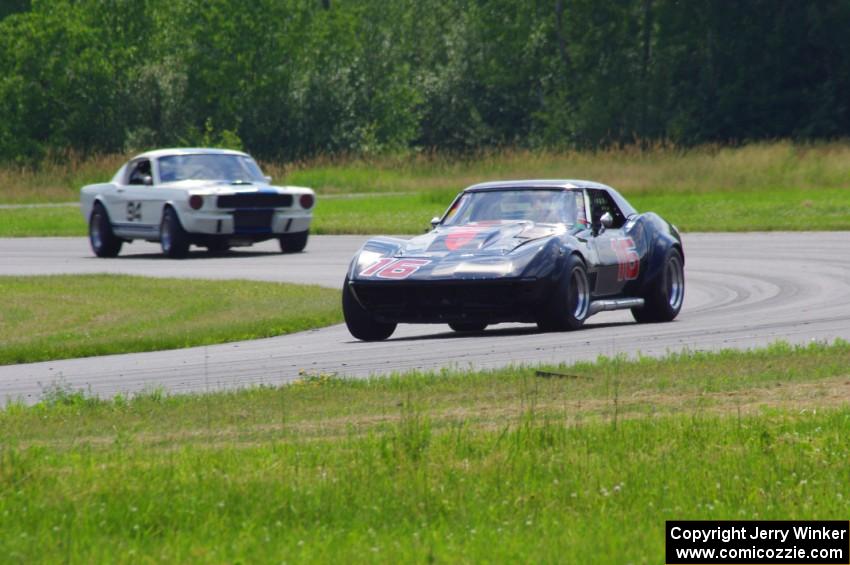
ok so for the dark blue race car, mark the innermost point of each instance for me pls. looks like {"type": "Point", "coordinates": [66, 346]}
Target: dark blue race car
{"type": "Point", "coordinates": [550, 252]}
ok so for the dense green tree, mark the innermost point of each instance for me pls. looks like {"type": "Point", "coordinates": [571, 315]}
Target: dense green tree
{"type": "Point", "coordinates": [294, 78]}
{"type": "Point", "coordinates": [9, 7]}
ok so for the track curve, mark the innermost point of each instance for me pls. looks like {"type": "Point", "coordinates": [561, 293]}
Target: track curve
{"type": "Point", "coordinates": [743, 290]}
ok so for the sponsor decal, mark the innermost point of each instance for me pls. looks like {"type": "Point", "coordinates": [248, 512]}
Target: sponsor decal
{"type": "Point", "coordinates": [461, 237]}
{"type": "Point", "coordinates": [627, 258]}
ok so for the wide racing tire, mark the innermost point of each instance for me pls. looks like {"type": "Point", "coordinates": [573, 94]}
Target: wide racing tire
{"type": "Point", "coordinates": [665, 295]}
{"type": "Point", "coordinates": [293, 242]}
{"type": "Point", "coordinates": [218, 246]}
{"type": "Point", "coordinates": [361, 323]}
{"type": "Point", "coordinates": [103, 240]}
{"type": "Point", "coordinates": [172, 237]}
{"type": "Point", "coordinates": [569, 304]}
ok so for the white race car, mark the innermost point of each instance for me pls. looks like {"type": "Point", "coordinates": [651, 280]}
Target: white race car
{"type": "Point", "coordinates": [214, 198]}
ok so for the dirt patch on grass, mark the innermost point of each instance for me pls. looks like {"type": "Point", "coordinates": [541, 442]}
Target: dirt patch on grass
{"type": "Point", "coordinates": [482, 414]}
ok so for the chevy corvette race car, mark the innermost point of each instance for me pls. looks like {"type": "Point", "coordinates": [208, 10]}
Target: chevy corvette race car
{"type": "Point", "coordinates": [552, 252]}
{"type": "Point", "coordinates": [209, 197]}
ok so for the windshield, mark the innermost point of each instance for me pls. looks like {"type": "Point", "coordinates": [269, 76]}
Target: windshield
{"type": "Point", "coordinates": [205, 166]}
{"type": "Point", "coordinates": [540, 206]}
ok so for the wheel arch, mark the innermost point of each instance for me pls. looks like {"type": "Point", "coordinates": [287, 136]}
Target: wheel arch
{"type": "Point", "coordinates": [656, 259]}
{"type": "Point", "coordinates": [98, 201]}
{"type": "Point", "coordinates": [678, 247]}
{"type": "Point", "coordinates": [170, 205]}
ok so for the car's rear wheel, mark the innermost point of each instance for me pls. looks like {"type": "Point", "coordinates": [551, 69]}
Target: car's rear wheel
{"type": "Point", "coordinates": [172, 237]}
{"type": "Point", "coordinates": [293, 242]}
{"type": "Point", "coordinates": [665, 296]}
{"type": "Point", "coordinates": [361, 323]}
{"type": "Point", "coordinates": [103, 241]}
{"type": "Point", "coordinates": [467, 326]}
{"type": "Point", "coordinates": [569, 304]}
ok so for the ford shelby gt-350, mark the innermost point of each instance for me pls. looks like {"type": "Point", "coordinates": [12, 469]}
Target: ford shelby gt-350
{"type": "Point", "coordinates": [214, 198]}
{"type": "Point", "coordinates": [550, 252]}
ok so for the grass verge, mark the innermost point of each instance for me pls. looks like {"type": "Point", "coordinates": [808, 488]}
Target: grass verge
{"type": "Point", "coordinates": [63, 221]}
{"type": "Point", "coordinates": [56, 317]}
{"type": "Point", "coordinates": [768, 186]}
{"type": "Point", "coordinates": [579, 463]}
{"type": "Point", "coordinates": [410, 213]}
{"type": "Point", "coordinates": [711, 212]}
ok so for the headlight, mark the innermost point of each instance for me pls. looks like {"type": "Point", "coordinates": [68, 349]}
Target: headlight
{"type": "Point", "coordinates": [366, 258]}
{"type": "Point", "coordinates": [500, 268]}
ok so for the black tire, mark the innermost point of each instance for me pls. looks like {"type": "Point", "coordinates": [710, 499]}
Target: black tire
{"type": "Point", "coordinates": [103, 241]}
{"type": "Point", "coordinates": [360, 323]}
{"type": "Point", "coordinates": [664, 297]}
{"type": "Point", "coordinates": [569, 304]}
{"type": "Point", "coordinates": [218, 246]}
{"type": "Point", "coordinates": [293, 242]}
{"type": "Point", "coordinates": [172, 237]}
{"type": "Point", "coordinates": [468, 326]}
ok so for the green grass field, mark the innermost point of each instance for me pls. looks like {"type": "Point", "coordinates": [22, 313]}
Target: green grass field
{"type": "Point", "coordinates": [411, 213]}
{"type": "Point", "coordinates": [583, 464]}
{"type": "Point", "coordinates": [775, 186]}
{"type": "Point", "coordinates": [56, 317]}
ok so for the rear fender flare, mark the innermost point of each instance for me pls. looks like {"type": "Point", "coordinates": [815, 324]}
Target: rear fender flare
{"type": "Point", "coordinates": [664, 236]}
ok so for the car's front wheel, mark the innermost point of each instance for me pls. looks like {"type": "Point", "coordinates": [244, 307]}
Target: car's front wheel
{"type": "Point", "coordinates": [360, 323]}
{"type": "Point", "coordinates": [569, 304]}
{"type": "Point", "coordinates": [172, 237]}
{"type": "Point", "coordinates": [467, 326]}
{"type": "Point", "coordinates": [293, 242]}
{"type": "Point", "coordinates": [665, 296]}
{"type": "Point", "coordinates": [103, 241]}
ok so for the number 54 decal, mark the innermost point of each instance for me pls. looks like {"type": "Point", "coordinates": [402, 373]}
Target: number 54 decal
{"type": "Point", "coordinates": [134, 211]}
{"type": "Point", "coordinates": [627, 258]}
{"type": "Point", "coordinates": [389, 268]}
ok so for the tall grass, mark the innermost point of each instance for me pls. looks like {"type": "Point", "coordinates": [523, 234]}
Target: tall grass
{"type": "Point", "coordinates": [634, 170]}
{"type": "Point", "coordinates": [768, 186]}
{"type": "Point", "coordinates": [57, 179]}
{"type": "Point", "coordinates": [755, 167]}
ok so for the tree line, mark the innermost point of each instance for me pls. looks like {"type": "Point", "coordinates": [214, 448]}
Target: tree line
{"type": "Point", "coordinates": [289, 79]}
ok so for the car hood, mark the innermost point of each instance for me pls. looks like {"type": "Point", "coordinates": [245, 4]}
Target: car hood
{"type": "Point", "coordinates": [493, 250]}
{"type": "Point", "coordinates": [478, 239]}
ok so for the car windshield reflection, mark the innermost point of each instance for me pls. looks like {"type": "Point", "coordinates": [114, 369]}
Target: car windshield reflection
{"type": "Point", "coordinates": [539, 206]}
{"type": "Point", "coordinates": [228, 168]}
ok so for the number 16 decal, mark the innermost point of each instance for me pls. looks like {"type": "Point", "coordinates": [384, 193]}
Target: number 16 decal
{"type": "Point", "coordinates": [389, 268]}
{"type": "Point", "coordinates": [627, 258]}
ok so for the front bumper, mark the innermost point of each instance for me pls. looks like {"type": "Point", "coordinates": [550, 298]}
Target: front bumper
{"type": "Point", "coordinates": [488, 301]}
{"type": "Point", "coordinates": [247, 223]}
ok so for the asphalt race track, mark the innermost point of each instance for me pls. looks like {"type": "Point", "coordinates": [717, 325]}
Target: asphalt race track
{"type": "Point", "coordinates": [743, 290]}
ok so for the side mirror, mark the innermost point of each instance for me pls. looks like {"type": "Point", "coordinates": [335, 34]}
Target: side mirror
{"type": "Point", "coordinates": [147, 180]}
{"type": "Point", "coordinates": [435, 221]}
{"type": "Point", "coordinates": [607, 220]}
{"type": "Point", "coordinates": [268, 178]}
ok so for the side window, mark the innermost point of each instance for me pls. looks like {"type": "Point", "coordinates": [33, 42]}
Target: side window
{"type": "Point", "coordinates": [601, 202]}
{"type": "Point", "coordinates": [138, 171]}
{"type": "Point", "coordinates": [581, 214]}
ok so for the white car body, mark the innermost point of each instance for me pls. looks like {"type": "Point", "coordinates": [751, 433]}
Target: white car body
{"type": "Point", "coordinates": [231, 213]}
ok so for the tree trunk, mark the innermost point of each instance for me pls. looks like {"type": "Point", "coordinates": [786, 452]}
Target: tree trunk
{"type": "Point", "coordinates": [644, 70]}
{"type": "Point", "coordinates": [559, 23]}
